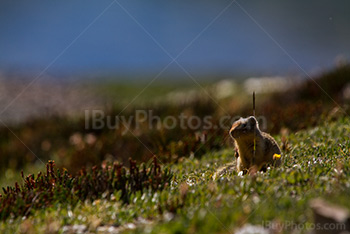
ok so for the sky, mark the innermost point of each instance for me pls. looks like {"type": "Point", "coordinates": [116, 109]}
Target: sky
{"type": "Point", "coordinates": [159, 37]}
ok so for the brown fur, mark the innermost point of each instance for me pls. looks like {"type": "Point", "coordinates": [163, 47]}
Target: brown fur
{"type": "Point", "coordinates": [243, 132]}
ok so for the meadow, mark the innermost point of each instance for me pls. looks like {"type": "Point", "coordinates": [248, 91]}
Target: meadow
{"type": "Point", "coordinates": [159, 180]}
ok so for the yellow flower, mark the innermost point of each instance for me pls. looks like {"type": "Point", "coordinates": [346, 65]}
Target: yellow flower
{"type": "Point", "coordinates": [276, 156]}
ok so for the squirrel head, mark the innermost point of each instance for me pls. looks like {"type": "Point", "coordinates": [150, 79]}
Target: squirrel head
{"type": "Point", "coordinates": [244, 127]}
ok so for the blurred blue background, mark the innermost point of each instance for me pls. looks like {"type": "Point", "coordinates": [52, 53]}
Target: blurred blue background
{"type": "Point", "coordinates": [34, 33]}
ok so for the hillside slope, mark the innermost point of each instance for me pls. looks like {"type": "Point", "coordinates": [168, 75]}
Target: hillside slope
{"type": "Point", "coordinates": [316, 164]}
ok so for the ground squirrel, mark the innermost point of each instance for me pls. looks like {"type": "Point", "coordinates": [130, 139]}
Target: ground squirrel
{"type": "Point", "coordinates": [255, 150]}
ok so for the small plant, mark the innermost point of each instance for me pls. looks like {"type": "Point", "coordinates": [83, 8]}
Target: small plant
{"type": "Point", "coordinates": [58, 186]}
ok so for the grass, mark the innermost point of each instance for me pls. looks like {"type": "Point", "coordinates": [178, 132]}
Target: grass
{"type": "Point", "coordinates": [316, 164]}
{"type": "Point", "coordinates": [70, 144]}
{"type": "Point", "coordinates": [312, 131]}
{"type": "Point", "coordinates": [58, 186]}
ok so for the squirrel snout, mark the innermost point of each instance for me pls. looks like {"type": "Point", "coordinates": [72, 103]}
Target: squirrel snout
{"type": "Point", "coordinates": [233, 131]}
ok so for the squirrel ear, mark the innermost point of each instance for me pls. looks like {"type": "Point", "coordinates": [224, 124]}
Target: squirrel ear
{"type": "Point", "coordinates": [252, 119]}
